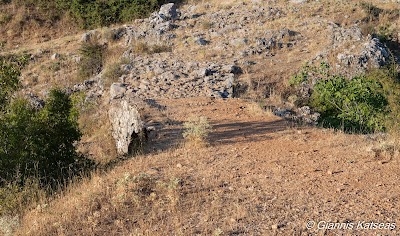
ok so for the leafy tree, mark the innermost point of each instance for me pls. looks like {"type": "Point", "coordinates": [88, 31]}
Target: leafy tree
{"type": "Point", "coordinates": [40, 143]}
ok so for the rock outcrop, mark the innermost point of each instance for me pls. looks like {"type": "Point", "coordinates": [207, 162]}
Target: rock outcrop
{"type": "Point", "coordinates": [127, 124]}
{"type": "Point", "coordinates": [373, 54]}
{"type": "Point", "coordinates": [365, 52]}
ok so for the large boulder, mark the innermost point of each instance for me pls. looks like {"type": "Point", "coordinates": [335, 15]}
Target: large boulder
{"type": "Point", "coordinates": [168, 12]}
{"type": "Point", "coordinates": [127, 124]}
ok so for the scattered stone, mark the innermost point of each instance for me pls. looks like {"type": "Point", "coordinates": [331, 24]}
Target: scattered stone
{"type": "Point", "coordinates": [298, 1]}
{"type": "Point", "coordinates": [36, 102]}
{"type": "Point", "coordinates": [201, 41]}
{"type": "Point", "coordinates": [117, 90]}
{"type": "Point", "coordinates": [55, 56]}
{"type": "Point", "coordinates": [88, 36]}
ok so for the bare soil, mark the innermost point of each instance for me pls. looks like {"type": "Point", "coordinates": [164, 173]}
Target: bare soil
{"type": "Point", "coordinates": [259, 175]}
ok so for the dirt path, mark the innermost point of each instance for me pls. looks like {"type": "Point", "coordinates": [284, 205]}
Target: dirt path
{"type": "Point", "coordinates": [280, 176]}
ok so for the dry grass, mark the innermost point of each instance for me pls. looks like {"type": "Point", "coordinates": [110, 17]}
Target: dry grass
{"type": "Point", "coordinates": [121, 197]}
{"type": "Point", "coordinates": [24, 27]}
{"type": "Point", "coordinates": [190, 191]}
{"type": "Point", "coordinates": [140, 47]}
{"type": "Point", "coordinates": [257, 109]}
{"type": "Point", "coordinates": [197, 129]}
{"type": "Point", "coordinates": [97, 141]}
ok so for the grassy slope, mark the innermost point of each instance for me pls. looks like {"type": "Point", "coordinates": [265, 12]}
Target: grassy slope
{"type": "Point", "coordinates": [258, 174]}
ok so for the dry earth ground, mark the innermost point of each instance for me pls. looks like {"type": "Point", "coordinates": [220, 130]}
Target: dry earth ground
{"type": "Point", "coordinates": [260, 175]}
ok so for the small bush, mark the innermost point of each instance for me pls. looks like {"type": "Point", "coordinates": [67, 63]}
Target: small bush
{"type": "Point", "coordinates": [196, 130]}
{"type": "Point", "coordinates": [160, 48]}
{"type": "Point", "coordinates": [144, 48]}
{"type": "Point", "coordinates": [389, 78]}
{"type": "Point", "coordinates": [365, 103]}
{"type": "Point", "coordinates": [358, 104]}
{"type": "Point", "coordinates": [91, 63]}
{"type": "Point", "coordinates": [10, 70]}
{"type": "Point", "coordinates": [307, 72]}
{"type": "Point", "coordinates": [9, 82]}
{"type": "Point", "coordinates": [112, 73]}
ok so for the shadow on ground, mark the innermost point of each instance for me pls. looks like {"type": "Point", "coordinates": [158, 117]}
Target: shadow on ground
{"type": "Point", "coordinates": [168, 137]}
{"type": "Point", "coordinates": [226, 133]}
{"type": "Point", "coordinates": [236, 132]}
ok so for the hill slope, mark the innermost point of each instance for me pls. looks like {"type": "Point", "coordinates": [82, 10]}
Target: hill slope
{"type": "Point", "coordinates": [259, 176]}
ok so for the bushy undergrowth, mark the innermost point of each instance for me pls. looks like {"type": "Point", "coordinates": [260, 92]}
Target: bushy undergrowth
{"type": "Point", "coordinates": [37, 145]}
{"type": "Point", "coordinates": [90, 13]}
{"type": "Point", "coordinates": [91, 62]}
{"type": "Point", "coordinates": [358, 104]}
{"type": "Point", "coordinates": [14, 197]}
{"type": "Point", "coordinates": [365, 103]}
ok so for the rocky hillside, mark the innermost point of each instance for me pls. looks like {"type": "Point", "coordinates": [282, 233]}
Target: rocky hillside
{"type": "Point", "coordinates": [251, 68]}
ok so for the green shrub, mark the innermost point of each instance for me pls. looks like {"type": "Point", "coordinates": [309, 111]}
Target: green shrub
{"type": "Point", "coordinates": [37, 146]}
{"type": "Point", "coordinates": [98, 13]}
{"type": "Point", "coordinates": [89, 13]}
{"type": "Point", "coordinates": [10, 67]}
{"type": "Point", "coordinates": [40, 143]}
{"type": "Point", "coordinates": [389, 78]}
{"type": "Point", "coordinates": [91, 62]}
{"type": "Point", "coordinates": [358, 104]}
{"type": "Point", "coordinates": [308, 72]}
{"type": "Point", "coordinates": [9, 82]}
{"type": "Point", "coordinates": [365, 103]}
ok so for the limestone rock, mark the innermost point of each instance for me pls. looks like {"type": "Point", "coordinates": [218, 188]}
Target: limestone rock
{"type": "Point", "coordinates": [55, 56]}
{"type": "Point", "coordinates": [117, 90]}
{"type": "Point", "coordinates": [375, 54]}
{"type": "Point", "coordinates": [201, 41]}
{"type": "Point", "coordinates": [86, 37]}
{"type": "Point", "coordinates": [36, 102]}
{"type": "Point", "coordinates": [168, 12]}
{"type": "Point", "coordinates": [127, 124]}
